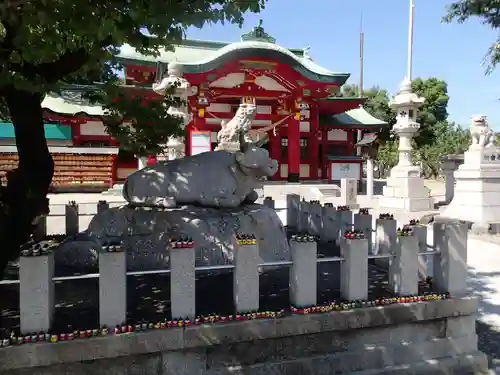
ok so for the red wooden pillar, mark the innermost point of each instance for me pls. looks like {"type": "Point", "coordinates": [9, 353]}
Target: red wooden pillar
{"type": "Point", "coordinates": [75, 133]}
{"type": "Point", "coordinates": [294, 148]}
{"type": "Point", "coordinates": [324, 154]}
{"type": "Point", "coordinates": [350, 142]}
{"type": "Point", "coordinates": [275, 150]}
{"type": "Point", "coordinates": [187, 140]}
{"type": "Point", "coordinates": [314, 149]}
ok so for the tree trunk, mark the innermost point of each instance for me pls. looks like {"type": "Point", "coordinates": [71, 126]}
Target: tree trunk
{"type": "Point", "coordinates": [24, 199]}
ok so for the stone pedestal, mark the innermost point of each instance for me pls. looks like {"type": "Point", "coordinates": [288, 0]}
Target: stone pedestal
{"type": "Point", "coordinates": [349, 192]}
{"type": "Point", "coordinates": [112, 288]}
{"type": "Point", "coordinates": [36, 292]}
{"type": "Point", "coordinates": [182, 283]}
{"type": "Point", "coordinates": [403, 267]}
{"type": "Point", "coordinates": [303, 274]}
{"type": "Point", "coordinates": [176, 148]}
{"type": "Point", "coordinates": [292, 210]}
{"type": "Point", "coordinates": [405, 188]}
{"type": "Point", "coordinates": [449, 164]}
{"type": "Point", "coordinates": [246, 278]}
{"type": "Point", "coordinates": [354, 270]}
{"type": "Point", "coordinates": [477, 189]}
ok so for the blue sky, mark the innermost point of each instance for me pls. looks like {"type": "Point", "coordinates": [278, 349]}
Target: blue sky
{"type": "Point", "coordinates": [331, 28]}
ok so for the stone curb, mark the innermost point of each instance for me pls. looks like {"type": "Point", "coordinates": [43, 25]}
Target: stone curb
{"type": "Point", "coordinates": [46, 354]}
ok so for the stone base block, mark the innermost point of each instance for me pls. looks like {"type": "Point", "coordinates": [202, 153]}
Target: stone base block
{"type": "Point", "coordinates": [407, 204]}
{"type": "Point", "coordinates": [146, 235]}
{"type": "Point", "coordinates": [407, 187]}
{"type": "Point", "coordinates": [435, 337]}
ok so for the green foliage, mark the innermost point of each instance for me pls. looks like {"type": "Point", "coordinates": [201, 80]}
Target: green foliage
{"type": "Point", "coordinates": [488, 12]}
{"type": "Point", "coordinates": [449, 139]}
{"type": "Point", "coordinates": [45, 44]}
{"type": "Point", "coordinates": [436, 136]}
{"type": "Point", "coordinates": [377, 104]}
{"type": "Point", "coordinates": [434, 109]}
{"type": "Point", "coordinates": [387, 156]}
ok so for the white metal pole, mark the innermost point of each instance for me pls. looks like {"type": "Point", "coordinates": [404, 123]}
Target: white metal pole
{"type": "Point", "coordinates": [410, 41]}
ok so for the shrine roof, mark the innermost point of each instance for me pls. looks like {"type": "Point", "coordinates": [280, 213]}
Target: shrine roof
{"type": "Point", "coordinates": [197, 57]}
{"type": "Point", "coordinates": [71, 102]}
{"type": "Point", "coordinates": [53, 132]}
{"type": "Point", "coordinates": [357, 117]}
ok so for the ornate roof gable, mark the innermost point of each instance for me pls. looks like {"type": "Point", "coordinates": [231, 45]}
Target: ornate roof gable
{"type": "Point", "coordinates": [258, 34]}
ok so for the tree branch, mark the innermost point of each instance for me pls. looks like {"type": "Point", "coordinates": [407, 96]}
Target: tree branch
{"type": "Point", "coordinates": [68, 63]}
{"type": "Point", "coordinates": [13, 3]}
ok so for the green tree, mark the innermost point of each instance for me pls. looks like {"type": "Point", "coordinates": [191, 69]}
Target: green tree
{"type": "Point", "coordinates": [434, 109]}
{"type": "Point", "coordinates": [449, 139]}
{"type": "Point", "coordinates": [377, 104]}
{"type": "Point", "coordinates": [44, 44]}
{"type": "Point", "coordinates": [488, 12]}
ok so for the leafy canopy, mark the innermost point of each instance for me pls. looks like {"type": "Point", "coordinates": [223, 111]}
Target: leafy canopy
{"type": "Point", "coordinates": [45, 43]}
{"type": "Point", "coordinates": [436, 137]}
{"type": "Point", "coordinates": [434, 110]}
{"type": "Point", "coordinates": [488, 12]}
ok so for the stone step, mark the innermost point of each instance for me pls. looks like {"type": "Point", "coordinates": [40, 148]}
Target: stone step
{"type": "Point", "coordinates": [403, 356]}
{"type": "Point", "coordinates": [473, 363]}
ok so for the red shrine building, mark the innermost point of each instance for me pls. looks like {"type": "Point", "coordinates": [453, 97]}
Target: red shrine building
{"type": "Point", "coordinates": [311, 130]}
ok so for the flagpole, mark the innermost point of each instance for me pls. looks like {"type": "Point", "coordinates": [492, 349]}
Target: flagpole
{"type": "Point", "coordinates": [410, 41]}
{"type": "Point", "coordinates": [359, 133]}
{"type": "Point", "coordinates": [361, 56]}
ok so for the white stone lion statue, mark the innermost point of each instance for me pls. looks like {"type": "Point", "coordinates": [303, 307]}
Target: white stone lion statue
{"type": "Point", "coordinates": [482, 135]}
{"type": "Point", "coordinates": [241, 123]}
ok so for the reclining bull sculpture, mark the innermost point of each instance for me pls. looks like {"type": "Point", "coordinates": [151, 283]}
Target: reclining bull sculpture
{"type": "Point", "coordinates": [218, 179]}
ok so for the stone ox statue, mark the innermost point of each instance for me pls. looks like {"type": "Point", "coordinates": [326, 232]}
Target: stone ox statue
{"type": "Point", "coordinates": [218, 179]}
{"type": "Point", "coordinates": [482, 135]}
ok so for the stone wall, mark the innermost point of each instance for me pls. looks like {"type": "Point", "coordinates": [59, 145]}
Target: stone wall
{"type": "Point", "coordinates": [433, 337]}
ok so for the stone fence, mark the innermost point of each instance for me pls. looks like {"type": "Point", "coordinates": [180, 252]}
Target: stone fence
{"type": "Point", "coordinates": [358, 238]}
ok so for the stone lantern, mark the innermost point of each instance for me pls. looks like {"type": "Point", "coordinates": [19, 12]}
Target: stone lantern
{"type": "Point", "coordinates": [181, 90]}
{"type": "Point", "coordinates": [406, 105]}
{"type": "Point", "coordinates": [405, 187]}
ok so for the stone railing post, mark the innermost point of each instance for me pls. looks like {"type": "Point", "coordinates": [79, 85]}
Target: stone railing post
{"type": "Point", "coordinates": [36, 289]}
{"type": "Point", "coordinates": [303, 217]}
{"type": "Point", "coordinates": [385, 240]}
{"type": "Point", "coordinates": [385, 235]}
{"type": "Point", "coordinates": [41, 229]}
{"type": "Point", "coordinates": [315, 219]}
{"type": "Point", "coordinates": [450, 264]}
{"type": "Point", "coordinates": [246, 274]}
{"type": "Point", "coordinates": [354, 269]}
{"type": "Point", "coordinates": [303, 280]}
{"type": "Point", "coordinates": [424, 262]}
{"type": "Point", "coordinates": [102, 206]}
{"type": "Point", "coordinates": [292, 210]}
{"type": "Point", "coordinates": [364, 223]}
{"type": "Point", "coordinates": [349, 191]}
{"type": "Point", "coordinates": [345, 219]}
{"type": "Point", "coordinates": [330, 231]}
{"type": "Point", "coordinates": [269, 202]}
{"type": "Point", "coordinates": [112, 286]}
{"type": "Point", "coordinates": [449, 165]}
{"type": "Point", "coordinates": [71, 218]}
{"type": "Point", "coordinates": [182, 280]}
{"type": "Point", "coordinates": [403, 266]}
